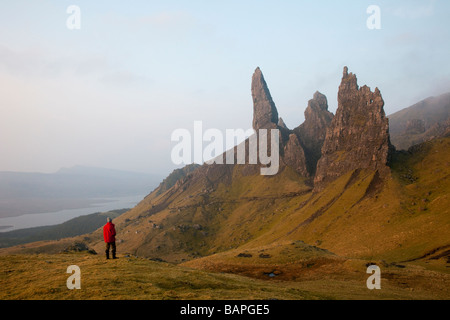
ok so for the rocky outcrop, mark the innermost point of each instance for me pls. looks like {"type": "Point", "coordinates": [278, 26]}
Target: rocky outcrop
{"type": "Point", "coordinates": [299, 148]}
{"type": "Point", "coordinates": [311, 133]}
{"type": "Point", "coordinates": [294, 156]}
{"type": "Point", "coordinates": [358, 136]}
{"type": "Point", "coordinates": [78, 247]}
{"type": "Point", "coordinates": [175, 177]}
{"type": "Point", "coordinates": [282, 124]}
{"type": "Point", "coordinates": [265, 114]}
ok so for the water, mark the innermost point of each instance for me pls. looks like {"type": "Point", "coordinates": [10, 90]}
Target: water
{"type": "Point", "coordinates": [52, 218]}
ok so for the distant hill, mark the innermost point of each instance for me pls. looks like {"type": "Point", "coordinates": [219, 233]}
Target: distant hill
{"type": "Point", "coordinates": [73, 227]}
{"type": "Point", "coordinates": [69, 188]}
{"type": "Point", "coordinates": [420, 122]}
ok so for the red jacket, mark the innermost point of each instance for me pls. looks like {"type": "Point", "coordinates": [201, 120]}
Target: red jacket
{"type": "Point", "coordinates": [109, 232]}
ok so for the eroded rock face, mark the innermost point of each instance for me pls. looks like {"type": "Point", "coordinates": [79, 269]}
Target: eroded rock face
{"type": "Point", "coordinates": [299, 148]}
{"type": "Point", "coordinates": [265, 114]}
{"type": "Point", "coordinates": [311, 133]}
{"type": "Point", "coordinates": [282, 124]}
{"type": "Point", "coordinates": [294, 156]}
{"type": "Point", "coordinates": [358, 136]}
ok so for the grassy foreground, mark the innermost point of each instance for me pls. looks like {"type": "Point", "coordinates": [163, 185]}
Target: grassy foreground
{"type": "Point", "coordinates": [44, 277]}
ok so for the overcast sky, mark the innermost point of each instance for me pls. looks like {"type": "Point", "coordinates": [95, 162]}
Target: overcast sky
{"type": "Point", "coordinates": [111, 93]}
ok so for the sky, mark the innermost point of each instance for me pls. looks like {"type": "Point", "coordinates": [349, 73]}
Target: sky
{"type": "Point", "coordinates": [110, 93]}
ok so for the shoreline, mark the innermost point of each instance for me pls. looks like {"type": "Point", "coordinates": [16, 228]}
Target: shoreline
{"type": "Point", "coordinates": [50, 218]}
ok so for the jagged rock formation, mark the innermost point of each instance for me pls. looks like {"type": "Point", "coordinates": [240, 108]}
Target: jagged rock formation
{"type": "Point", "coordinates": [312, 131]}
{"type": "Point", "coordinates": [300, 148]}
{"type": "Point", "coordinates": [282, 124]}
{"type": "Point", "coordinates": [265, 114]}
{"type": "Point", "coordinates": [294, 156]}
{"type": "Point", "coordinates": [358, 136]}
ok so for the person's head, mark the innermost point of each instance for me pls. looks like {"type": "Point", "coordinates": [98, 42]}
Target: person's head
{"type": "Point", "coordinates": [108, 219]}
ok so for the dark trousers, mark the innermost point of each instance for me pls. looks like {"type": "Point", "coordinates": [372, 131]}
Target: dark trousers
{"type": "Point", "coordinates": [111, 245]}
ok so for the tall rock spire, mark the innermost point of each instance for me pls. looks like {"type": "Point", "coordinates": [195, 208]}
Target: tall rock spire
{"type": "Point", "coordinates": [358, 136]}
{"type": "Point", "coordinates": [311, 133]}
{"type": "Point", "coordinates": [265, 114]}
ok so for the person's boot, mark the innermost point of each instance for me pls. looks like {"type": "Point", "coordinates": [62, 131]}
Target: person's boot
{"type": "Point", "coordinates": [107, 254]}
{"type": "Point", "coordinates": [114, 255]}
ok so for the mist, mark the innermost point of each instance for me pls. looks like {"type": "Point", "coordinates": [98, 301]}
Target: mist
{"type": "Point", "coordinates": [110, 93]}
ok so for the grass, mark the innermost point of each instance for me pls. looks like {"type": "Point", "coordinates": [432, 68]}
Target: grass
{"type": "Point", "coordinates": [43, 277]}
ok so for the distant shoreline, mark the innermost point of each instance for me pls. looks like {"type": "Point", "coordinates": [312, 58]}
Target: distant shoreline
{"type": "Point", "coordinates": [17, 207]}
{"type": "Point", "coordinates": [50, 218]}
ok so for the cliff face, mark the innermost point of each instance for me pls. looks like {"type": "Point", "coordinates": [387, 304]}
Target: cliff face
{"type": "Point", "coordinates": [294, 156]}
{"type": "Point", "coordinates": [358, 136]}
{"type": "Point", "coordinates": [311, 133]}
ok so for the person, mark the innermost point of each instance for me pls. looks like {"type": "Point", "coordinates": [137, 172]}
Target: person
{"type": "Point", "coordinates": [109, 235]}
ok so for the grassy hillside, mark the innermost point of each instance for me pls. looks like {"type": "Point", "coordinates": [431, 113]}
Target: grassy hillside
{"type": "Point", "coordinates": [275, 228]}
{"type": "Point", "coordinates": [357, 216]}
{"type": "Point", "coordinates": [200, 217]}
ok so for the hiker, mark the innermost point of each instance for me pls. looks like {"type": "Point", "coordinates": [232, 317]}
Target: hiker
{"type": "Point", "coordinates": [109, 235]}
